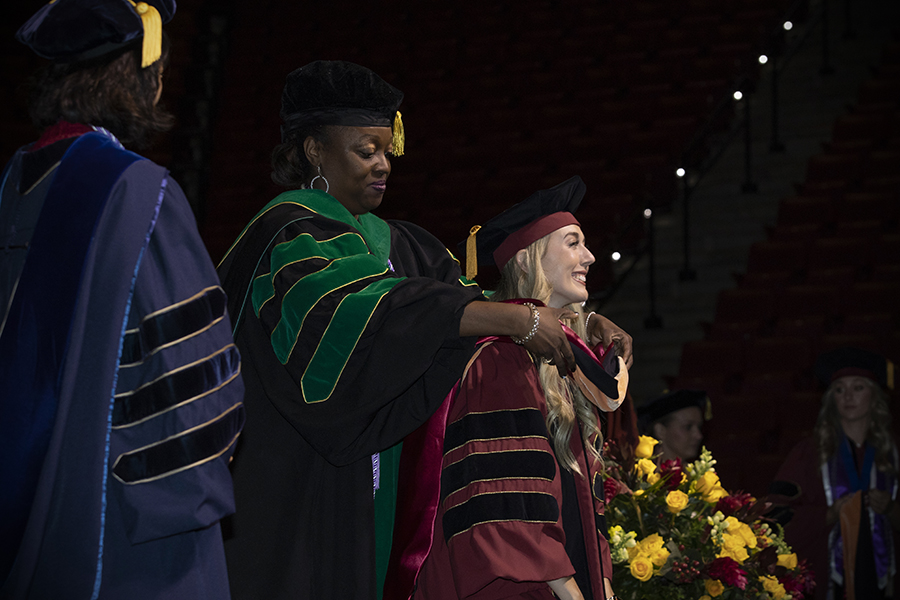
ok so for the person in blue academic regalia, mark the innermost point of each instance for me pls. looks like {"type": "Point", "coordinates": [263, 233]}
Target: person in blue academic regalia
{"type": "Point", "coordinates": [120, 387]}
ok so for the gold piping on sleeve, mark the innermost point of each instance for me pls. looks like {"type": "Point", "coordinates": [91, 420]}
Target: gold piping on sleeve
{"type": "Point", "coordinates": [502, 520]}
{"type": "Point", "coordinates": [172, 372]}
{"type": "Point", "coordinates": [179, 340]}
{"type": "Point", "coordinates": [493, 439]}
{"type": "Point", "coordinates": [330, 322]}
{"type": "Point", "coordinates": [183, 403]}
{"type": "Point", "coordinates": [172, 437]}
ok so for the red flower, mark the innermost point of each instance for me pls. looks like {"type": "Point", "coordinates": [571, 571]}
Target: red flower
{"type": "Point", "coordinates": [728, 572]}
{"type": "Point", "coordinates": [612, 487]}
{"type": "Point", "coordinates": [733, 503]}
{"type": "Point", "coordinates": [799, 583]}
{"type": "Point", "coordinates": [670, 470]}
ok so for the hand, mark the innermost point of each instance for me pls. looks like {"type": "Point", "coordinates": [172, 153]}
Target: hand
{"type": "Point", "coordinates": [549, 342]}
{"type": "Point", "coordinates": [603, 331]}
{"type": "Point", "coordinates": [879, 501]}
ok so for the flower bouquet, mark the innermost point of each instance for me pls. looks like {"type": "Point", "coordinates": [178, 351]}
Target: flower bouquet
{"type": "Point", "coordinates": [675, 533]}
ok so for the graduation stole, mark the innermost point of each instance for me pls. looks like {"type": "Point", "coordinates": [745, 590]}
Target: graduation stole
{"type": "Point", "coordinates": [840, 477]}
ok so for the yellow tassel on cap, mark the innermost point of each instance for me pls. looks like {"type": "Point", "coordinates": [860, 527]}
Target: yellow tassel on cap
{"type": "Point", "coordinates": [472, 254]}
{"type": "Point", "coordinates": [399, 137]}
{"type": "Point", "coordinates": [152, 23]}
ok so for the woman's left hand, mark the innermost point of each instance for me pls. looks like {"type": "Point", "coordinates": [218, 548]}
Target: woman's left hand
{"type": "Point", "coordinates": [603, 331]}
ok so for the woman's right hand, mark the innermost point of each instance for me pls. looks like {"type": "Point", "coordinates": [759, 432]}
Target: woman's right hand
{"type": "Point", "coordinates": [550, 342]}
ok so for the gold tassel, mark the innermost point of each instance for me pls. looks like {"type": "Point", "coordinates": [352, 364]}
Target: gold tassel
{"type": "Point", "coordinates": [399, 138]}
{"type": "Point", "coordinates": [152, 23]}
{"type": "Point", "coordinates": [889, 367]}
{"type": "Point", "coordinates": [707, 414]}
{"type": "Point", "coordinates": [472, 254]}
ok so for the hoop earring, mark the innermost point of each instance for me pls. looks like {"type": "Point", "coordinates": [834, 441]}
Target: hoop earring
{"type": "Point", "coordinates": [319, 176]}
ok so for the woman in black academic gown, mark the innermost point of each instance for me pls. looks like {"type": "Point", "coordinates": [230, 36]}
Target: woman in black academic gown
{"type": "Point", "coordinates": [352, 330]}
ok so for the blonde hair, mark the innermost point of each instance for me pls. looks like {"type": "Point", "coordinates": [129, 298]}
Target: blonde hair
{"type": "Point", "coordinates": [565, 402]}
{"type": "Point", "coordinates": [828, 430]}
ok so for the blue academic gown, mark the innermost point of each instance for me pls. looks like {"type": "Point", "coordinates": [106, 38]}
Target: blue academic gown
{"type": "Point", "coordinates": [120, 388]}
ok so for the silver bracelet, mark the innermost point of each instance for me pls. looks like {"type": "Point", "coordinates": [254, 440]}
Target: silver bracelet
{"type": "Point", "coordinates": [535, 321]}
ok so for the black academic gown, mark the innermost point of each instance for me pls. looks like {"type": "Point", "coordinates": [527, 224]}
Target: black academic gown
{"type": "Point", "coordinates": [305, 522]}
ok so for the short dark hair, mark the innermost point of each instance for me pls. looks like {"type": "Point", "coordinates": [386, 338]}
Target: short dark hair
{"type": "Point", "coordinates": [290, 167]}
{"type": "Point", "coordinates": [111, 91]}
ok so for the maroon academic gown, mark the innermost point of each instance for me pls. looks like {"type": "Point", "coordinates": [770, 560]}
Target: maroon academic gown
{"type": "Point", "coordinates": [499, 530]}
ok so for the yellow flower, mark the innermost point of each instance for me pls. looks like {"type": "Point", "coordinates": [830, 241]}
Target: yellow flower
{"type": "Point", "coordinates": [645, 447]}
{"type": "Point", "coordinates": [651, 543]}
{"type": "Point", "coordinates": [707, 482]}
{"type": "Point", "coordinates": [638, 493]}
{"type": "Point", "coordinates": [676, 501]}
{"type": "Point", "coordinates": [705, 597]}
{"type": "Point", "coordinates": [653, 477]}
{"type": "Point", "coordinates": [741, 530]}
{"type": "Point", "coordinates": [710, 488]}
{"type": "Point", "coordinates": [633, 551]}
{"type": "Point", "coordinates": [771, 585]}
{"type": "Point", "coordinates": [645, 466]}
{"type": "Point", "coordinates": [733, 547]}
{"type": "Point", "coordinates": [749, 537]}
{"type": "Point", "coordinates": [659, 557]}
{"type": "Point", "coordinates": [641, 568]}
{"type": "Point", "coordinates": [732, 524]}
{"type": "Point", "coordinates": [714, 587]}
{"type": "Point", "coordinates": [788, 561]}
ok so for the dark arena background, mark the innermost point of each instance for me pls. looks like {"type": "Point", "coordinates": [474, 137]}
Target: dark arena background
{"type": "Point", "coordinates": [742, 161]}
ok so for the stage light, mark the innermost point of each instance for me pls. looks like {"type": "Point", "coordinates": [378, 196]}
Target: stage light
{"type": "Point", "coordinates": [763, 59]}
{"type": "Point", "coordinates": [679, 171]}
{"type": "Point", "coordinates": [615, 256]}
{"type": "Point", "coordinates": [788, 25]}
{"type": "Point", "coordinates": [648, 213]}
{"type": "Point", "coordinates": [738, 95]}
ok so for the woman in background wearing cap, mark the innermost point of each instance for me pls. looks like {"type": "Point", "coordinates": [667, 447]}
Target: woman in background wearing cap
{"type": "Point", "coordinates": [120, 389]}
{"type": "Point", "coordinates": [515, 460]}
{"type": "Point", "coordinates": [353, 331]}
{"type": "Point", "coordinates": [841, 484]}
{"type": "Point", "coordinates": [675, 419]}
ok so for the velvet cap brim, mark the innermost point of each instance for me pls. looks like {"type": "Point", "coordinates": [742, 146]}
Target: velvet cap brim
{"type": "Point", "coordinates": [76, 30]}
{"type": "Point", "coordinates": [539, 214]}
{"type": "Point", "coordinates": [337, 93]}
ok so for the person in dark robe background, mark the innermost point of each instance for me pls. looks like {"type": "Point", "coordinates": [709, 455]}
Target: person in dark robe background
{"type": "Point", "coordinates": [675, 419]}
{"type": "Point", "coordinates": [837, 490]}
{"type": "Point", "coordinates": [353, 330]}
{"type": "Point", "coordinates": [120, 387]}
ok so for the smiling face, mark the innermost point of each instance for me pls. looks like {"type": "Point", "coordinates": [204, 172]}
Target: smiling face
{"type": "Point", "coordinates": [565, 264]}
{"type": "Point", "coordinates": [355, 162]}
{"type": "Point", "coordinates": [853, 398]}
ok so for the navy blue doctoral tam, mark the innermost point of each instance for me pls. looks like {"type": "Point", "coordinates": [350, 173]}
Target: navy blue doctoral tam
{"type": "Point", "coordinates": [74, 30]}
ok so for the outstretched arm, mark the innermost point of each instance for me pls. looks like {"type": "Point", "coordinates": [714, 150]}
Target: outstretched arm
{"type": "Point", "coordinates": [498, 318]}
